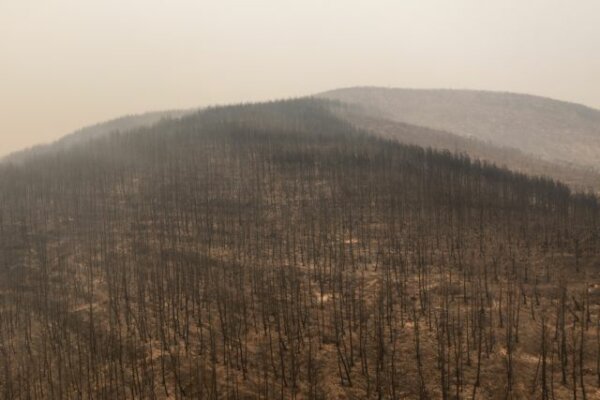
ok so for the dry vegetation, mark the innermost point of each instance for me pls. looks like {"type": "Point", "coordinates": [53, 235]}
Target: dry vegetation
{"type": "Point", "coordinates": [272, 251]}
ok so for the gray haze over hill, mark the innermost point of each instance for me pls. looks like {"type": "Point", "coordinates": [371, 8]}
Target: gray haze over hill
{"type": "Point", "coordinates": [529, 134]}
{"type": "Point", "coordinates": [578, 178]}
{"type": "Point", "coordinates": [546, 128]}
{"type": "Point", "coordinates": [121, 124]}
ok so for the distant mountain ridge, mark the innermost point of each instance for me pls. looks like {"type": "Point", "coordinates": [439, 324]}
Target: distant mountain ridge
{"type": "Point", "coordinates": [121, 124]}
{"type": "Point", "coordinates": [551, 129]}
{"type": "Point", "coordinates": [529, 134]}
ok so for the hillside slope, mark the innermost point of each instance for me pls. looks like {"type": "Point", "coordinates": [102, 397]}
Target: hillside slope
{"type": "Point", "coordinates": [275, 251]}
{"type": "Point", "coordinates": [550, 129]}
{"type": "Point", "coordinates": [579, 178]}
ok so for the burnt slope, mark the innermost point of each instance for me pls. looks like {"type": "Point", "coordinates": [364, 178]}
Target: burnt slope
{"type": "Point", "coordinates": [273, 251]}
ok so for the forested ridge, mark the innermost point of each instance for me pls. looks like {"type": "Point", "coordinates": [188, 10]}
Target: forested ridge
{"type": "Point", "coordinates": [274, 251]}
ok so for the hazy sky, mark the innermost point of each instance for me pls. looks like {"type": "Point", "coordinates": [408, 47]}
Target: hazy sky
{"type": "Point", "coordinates": [69, 63]}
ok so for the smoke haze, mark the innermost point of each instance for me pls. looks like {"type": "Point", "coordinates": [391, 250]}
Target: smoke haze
{"type": "Point", "coordinates": [67, 63]}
